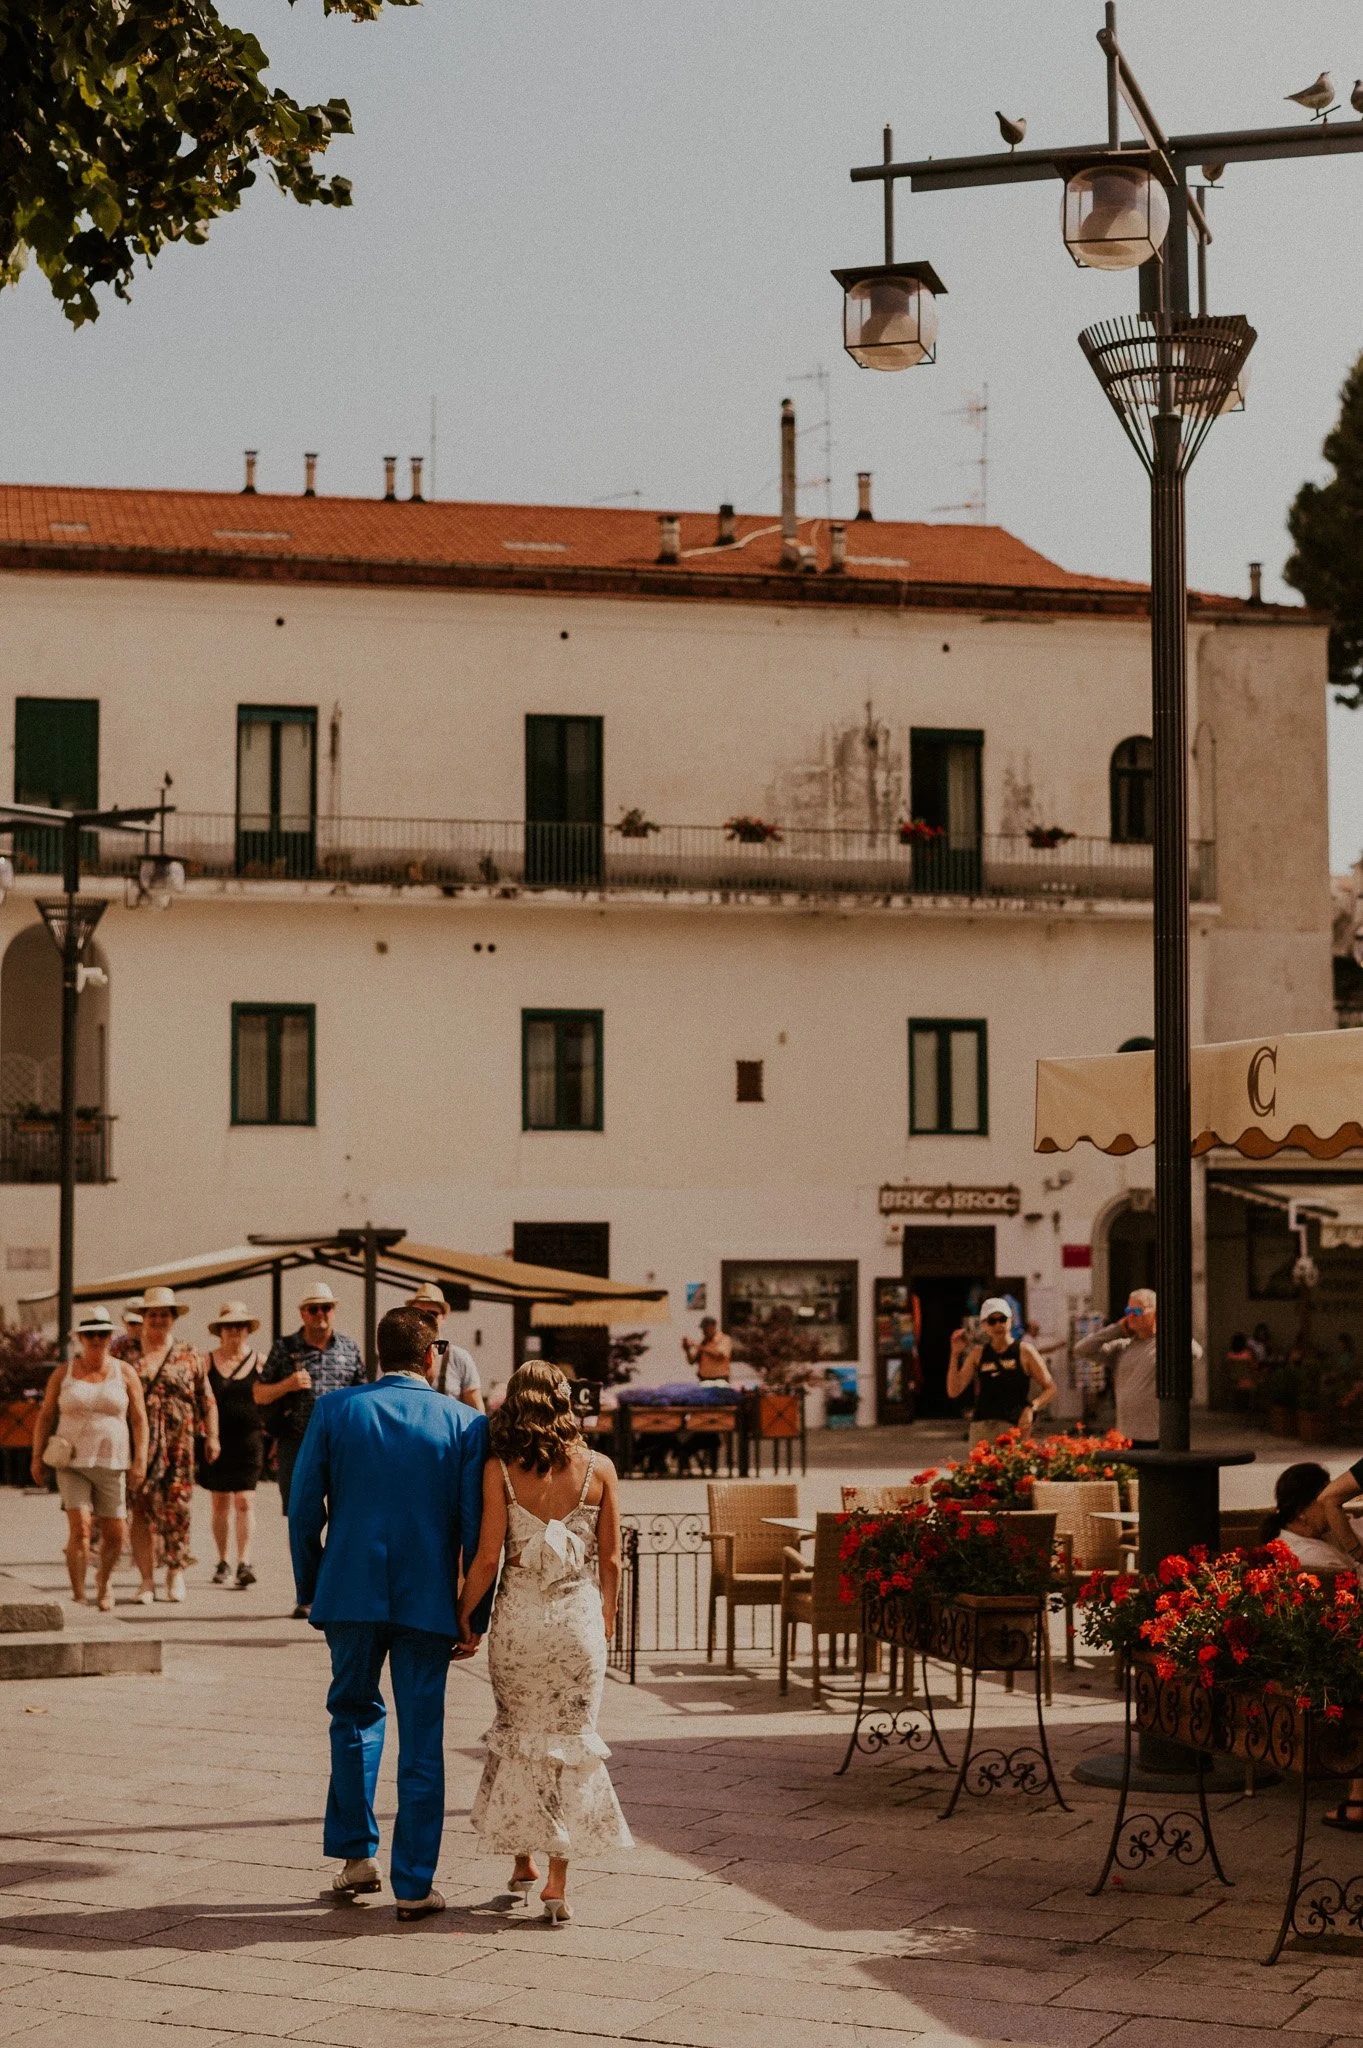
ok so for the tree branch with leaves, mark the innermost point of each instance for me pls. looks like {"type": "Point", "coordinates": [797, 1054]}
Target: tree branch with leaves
{"type": "Point", "coordinates": [128, 124]}
{"type": "Point", "coordinates": [1326, 525]}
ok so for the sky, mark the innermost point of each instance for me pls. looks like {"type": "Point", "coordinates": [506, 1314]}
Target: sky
{"type": "Point", "coordinates": [596, 236]}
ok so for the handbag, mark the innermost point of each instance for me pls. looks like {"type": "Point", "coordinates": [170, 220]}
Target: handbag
{"type": "Point", "coordinates": [59, 1452]}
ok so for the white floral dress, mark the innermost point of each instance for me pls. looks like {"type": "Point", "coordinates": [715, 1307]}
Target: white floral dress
{"type": "Point", "coordinates": [545, 1784]}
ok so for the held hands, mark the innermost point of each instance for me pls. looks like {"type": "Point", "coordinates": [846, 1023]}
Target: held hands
{"type": "Point", "coordinates": [468, 1644]}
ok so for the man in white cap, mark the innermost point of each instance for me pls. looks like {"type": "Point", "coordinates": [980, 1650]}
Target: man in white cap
{"type": "Point", "coordinates": [309, 1362]}
{"type": "Point", "coordinates": [1012, 1380]}
{"type": "Point", "coordinates": [459, 1372]}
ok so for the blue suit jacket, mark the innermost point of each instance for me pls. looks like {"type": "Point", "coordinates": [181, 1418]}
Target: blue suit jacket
{"type": "Point", "coordinates": [392, 1471]}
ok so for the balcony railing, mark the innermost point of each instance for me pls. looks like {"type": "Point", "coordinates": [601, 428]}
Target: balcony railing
{"type": "Point", "coordinates": [30, 1149]}
{"type": "Point", "coordinates": [456, 853]}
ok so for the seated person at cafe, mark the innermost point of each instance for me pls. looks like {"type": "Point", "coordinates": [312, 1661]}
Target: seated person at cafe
{"type": "Point", "coordinates": [1012, 1380]}
{"type": "Point", "coordinates": [1309, 1519]}
{"type": "Point", "coordinates": [712, 1353]}
{"type": "Point", "coordinates": [1243, 1371]}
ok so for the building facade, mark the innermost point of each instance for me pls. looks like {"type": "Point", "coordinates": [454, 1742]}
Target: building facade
{"type": "Point", "coordinates": [590, 884]}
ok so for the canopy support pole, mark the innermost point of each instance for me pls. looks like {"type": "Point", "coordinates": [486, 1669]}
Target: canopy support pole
{"type": "Point", "coordinates": [276, 1301]}
{"type": "Point", "coordinates": [371, 1301]}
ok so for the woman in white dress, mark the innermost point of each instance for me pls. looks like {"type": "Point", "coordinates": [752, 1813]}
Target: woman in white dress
{"type": "Point", "coordinates": [552, 1505]}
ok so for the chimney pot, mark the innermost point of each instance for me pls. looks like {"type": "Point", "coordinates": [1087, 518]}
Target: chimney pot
{"type": "Point", "coordinates": [390, 478]}
{"type": "Point", "coordinates": [790, 524]}
{"type": "Point", "coordinates": [248, 489]}
{"type": "Point", "coordinates": [669, 537]}
{"type": "Point", "coordinates": [837, 548]}
{"type": "Point", "coordinates": [864, 495]}
{"type": "Point", "coordinates": [1256, 582]}
{"type": "Point", "coordinates": [727, 534]}
{"type": "Point", "coordinates": [309, 476]}
{"type": "Point", "coordinates": [416, 480]}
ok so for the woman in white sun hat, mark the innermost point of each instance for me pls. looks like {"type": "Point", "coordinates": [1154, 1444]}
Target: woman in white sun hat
{"type": "Point", "coordinates": [92, 1431]}
{"type": "Point", "coordinates": [179, 1404]}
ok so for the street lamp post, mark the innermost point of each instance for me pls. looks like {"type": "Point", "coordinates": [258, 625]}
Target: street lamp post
{"type": "Point", "coordinates": [1168, 375]}
{"type": "Point", "coordinates": [71, 920]}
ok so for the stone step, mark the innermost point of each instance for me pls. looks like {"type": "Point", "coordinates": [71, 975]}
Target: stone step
{"type": "Point", "coordinates": [71, 1653]}
{"type": "Point", "coordinates": [25, 1611]}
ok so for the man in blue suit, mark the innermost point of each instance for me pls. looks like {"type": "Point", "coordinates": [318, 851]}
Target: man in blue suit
{"type": "Point", "coordinates": [393, 1473]}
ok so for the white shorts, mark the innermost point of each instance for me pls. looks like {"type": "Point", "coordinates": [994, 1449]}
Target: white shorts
{"type": "Point", "coordinates": [103, 1487]}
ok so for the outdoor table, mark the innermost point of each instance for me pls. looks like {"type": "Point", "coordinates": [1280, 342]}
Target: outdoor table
{"type": "Point", "coordinates": [795, 1523]}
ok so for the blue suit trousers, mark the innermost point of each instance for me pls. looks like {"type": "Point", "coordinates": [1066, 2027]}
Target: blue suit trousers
{"type": "Point", "coordinates": [419, 1664]}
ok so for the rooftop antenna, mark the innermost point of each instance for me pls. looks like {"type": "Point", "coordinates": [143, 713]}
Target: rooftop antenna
{"type": "Point", "coordinates": [618, 498]}
{"type": "Point", "coordinates": [975, 412]}
{"type": "Point", "coordinates": [823, 378]}
{"type": "Point", "coordinates": [432, 448]}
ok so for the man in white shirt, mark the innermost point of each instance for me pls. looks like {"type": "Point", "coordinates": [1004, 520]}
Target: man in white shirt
{"type": "Point", "coordinates": [459, 1373]}
{"type": "Point", "coordinates": [1128, 1348]}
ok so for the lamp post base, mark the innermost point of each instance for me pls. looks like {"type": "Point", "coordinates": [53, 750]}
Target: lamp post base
{"type": "Point", "coordinates": [1106, 1772]}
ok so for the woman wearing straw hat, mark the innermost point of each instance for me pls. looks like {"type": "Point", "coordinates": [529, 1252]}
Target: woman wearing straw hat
{"type": "Point", "coordinates": [179, 1403]}
{"type": "Point", "coordinates": [92, 1431]}
{"type": "Point", "coordinates": [233, 1369]}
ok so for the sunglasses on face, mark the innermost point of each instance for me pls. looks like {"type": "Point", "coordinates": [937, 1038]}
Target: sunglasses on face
{"type": "Point", "coordinates": [996, 1319]}
{"type": "Point", "coordinates": [441, 1346]}
{"type": "Point", "coordinates": [319, 1309]}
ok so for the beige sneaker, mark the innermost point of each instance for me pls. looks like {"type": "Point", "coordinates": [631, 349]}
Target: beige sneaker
{"type": "Point", "coordinates": [361, 1874]}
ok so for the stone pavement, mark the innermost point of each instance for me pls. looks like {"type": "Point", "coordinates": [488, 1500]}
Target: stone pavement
{"type": "Point", "coordinates": [162, 1867]}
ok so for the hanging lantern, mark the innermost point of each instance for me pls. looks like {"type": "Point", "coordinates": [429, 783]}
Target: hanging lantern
{"type": "Point", "coordinates": [1115, 213]}
{"type": "Point", "coordinates": [889, 316]}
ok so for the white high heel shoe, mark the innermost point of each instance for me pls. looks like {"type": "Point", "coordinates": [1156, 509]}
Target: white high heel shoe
{"type": "Point", "coordinates": [520, 1888]}
{"type": "Point", "coordinates": [556, 1911]}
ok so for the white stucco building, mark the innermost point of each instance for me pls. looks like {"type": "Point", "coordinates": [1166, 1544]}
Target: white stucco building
{"type": "Point", "coordinates": [420, 975]}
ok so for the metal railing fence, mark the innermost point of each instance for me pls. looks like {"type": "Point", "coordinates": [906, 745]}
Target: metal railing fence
{"type": "Point", "coordinates": [30, 1149]}
{"type": "Point", "coordinates": [665, 1593]}
{"type": "Point", "coordinates": [457, 853]}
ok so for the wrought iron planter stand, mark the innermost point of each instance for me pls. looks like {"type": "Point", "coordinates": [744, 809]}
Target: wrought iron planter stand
{"type": "Point", "coordinates": [980, 1633]}
{"type": "Point", "coordinates": [1264, 1726]}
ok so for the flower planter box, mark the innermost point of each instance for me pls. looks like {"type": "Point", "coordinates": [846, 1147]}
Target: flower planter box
{"type": "Point", "coordinates": [17, 1421]}
{"type": "Point", "coordinates": [1263, 1725]}
{"type": "Point", "coordinates": [780, 1415]}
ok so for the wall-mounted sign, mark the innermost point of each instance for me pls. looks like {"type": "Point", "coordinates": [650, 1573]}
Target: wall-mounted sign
{"type": "Point", "coordinates": [695, 1295]}
{"type": "Point", "coordinates": [903, 1198]}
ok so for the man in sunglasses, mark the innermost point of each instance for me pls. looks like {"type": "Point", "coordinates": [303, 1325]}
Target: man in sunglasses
{"type": "Point", "coordinates": [1012, 1380]}
{"type": "Point", "coordinates": [1127, 1347]}
{"type": "Point", "coordinates": [309, 1362]}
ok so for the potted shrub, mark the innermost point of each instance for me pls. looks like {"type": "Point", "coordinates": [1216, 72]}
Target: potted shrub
{"type": "Point", "coordinates": [786, 1360]}
{"type": "Point", "coordinates": [916, 832]}
{"type": "Point", "coordinates": [939, 1561]}
{"type": "Point", "coordinates": [634, 825]}
{"type": "Point", "coordinates": [752, 831]}
{"type": "Point", "coordinates": [1002, 1474]}
{"type": "Point", "coordinates": [1045, 838]}
{"type": "Point", "coordinates": [26, 1361]}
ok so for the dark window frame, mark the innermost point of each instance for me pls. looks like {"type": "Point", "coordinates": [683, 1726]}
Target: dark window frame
{"type": "Point", "coordinates": [558, 1018]}
{"type": "Point", "coordinates": [944, 1026]}
{"type": "Point", "coordinates": [274, 1122]}
{"type": "Point", "coordinates": [750, 1081]}
{"type": "Point", "coordinates": [1124, 777]}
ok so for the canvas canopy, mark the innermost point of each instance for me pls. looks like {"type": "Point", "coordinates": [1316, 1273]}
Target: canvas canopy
{"type": "Point", "coordinates": [400, 1264]}
{"type": "Point", "coordinates": [1300, 1091]}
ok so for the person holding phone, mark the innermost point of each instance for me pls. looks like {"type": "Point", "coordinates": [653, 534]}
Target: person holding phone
{"type": "Point", "coordinates": [1012, 1380]}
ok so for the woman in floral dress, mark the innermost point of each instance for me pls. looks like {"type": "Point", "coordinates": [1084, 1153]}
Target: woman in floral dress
{"type": "Point", "coordinates": [179, 1404]}
{"type": "Point", "coordinates": [553, 1506]}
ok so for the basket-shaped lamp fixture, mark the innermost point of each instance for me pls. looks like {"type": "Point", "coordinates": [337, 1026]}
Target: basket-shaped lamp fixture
{"type": "Point", "coordinates": [1153, 364]}
{"type": "Point", "coordinates": [889, 314]}
{"type": "Point", "coordinates": [1115, 212]}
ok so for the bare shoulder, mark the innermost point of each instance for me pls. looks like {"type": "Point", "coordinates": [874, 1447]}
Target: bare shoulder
{"type": "Point", "coordinates": [605, 1468]}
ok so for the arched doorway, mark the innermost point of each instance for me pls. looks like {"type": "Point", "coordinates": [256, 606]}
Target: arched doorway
{"type": "Point", "coordinates": [1130, 1250]}
{"type": "Point", "coordinates": [30, 1062]}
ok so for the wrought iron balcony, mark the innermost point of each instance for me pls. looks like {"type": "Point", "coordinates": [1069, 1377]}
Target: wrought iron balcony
{"type": "Point", "coordinates": [30, 1148]}
{"type": "Point", "coordinates": [457, 853]}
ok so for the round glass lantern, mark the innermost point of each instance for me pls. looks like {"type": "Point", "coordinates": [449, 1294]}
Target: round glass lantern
{"type": "Point", "coordinates": [889, 319]}
{"type": "Point", "coordinates": [1114, 216]}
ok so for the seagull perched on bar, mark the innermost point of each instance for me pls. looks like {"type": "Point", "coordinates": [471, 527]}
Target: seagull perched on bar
{"type": "Point", "coordinates": [1356, 96]}
{"type": "Point", "coordinates": [1011, 131]}
{"type": "Point", "coordinates": [1318, 99]}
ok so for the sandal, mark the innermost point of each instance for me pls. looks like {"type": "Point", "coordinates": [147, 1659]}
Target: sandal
{"type": "Point", "coordinates": [1338, 1817]}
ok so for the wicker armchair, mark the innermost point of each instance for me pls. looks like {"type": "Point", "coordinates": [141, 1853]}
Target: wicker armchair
{"type": "Point", "coordinates": [811, 1595]}
{"type": "Point", "coordinates": [746, 1558]}
{"type": "Point", "coordinates": [1241, 1527]}
{"type": "Point", "coordinates": [1090, 1545]}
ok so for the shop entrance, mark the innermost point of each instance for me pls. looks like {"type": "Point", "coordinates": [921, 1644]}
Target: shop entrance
{"type": "Point", "coordinates": [1130, 1256]}
{"type": "Point", "coordinates": [949, 1270]}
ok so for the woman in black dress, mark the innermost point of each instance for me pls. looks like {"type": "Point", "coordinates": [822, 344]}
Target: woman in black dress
{"type": "Point", "coordinates": [233, 1369]}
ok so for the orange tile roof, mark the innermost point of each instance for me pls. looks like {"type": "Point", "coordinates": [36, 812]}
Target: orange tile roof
{"type": "Point", "coordinates": [234, 534]}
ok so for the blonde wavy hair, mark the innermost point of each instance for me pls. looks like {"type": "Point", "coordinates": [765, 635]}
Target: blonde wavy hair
{"type": "Point", "coordinates": [535, 1425]}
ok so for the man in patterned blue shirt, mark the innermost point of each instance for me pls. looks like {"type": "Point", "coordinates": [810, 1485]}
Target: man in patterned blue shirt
{"type": "Point", "coordinates": [309, 1362]}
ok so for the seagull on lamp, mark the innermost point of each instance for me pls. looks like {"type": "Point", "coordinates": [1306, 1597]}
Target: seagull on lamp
{"type": "Point", "coordinates": [1011, 131]}
{"type": "Point", "coordinates": [1356, 96]}
{"type": "Point", "coordinates": [1318, 98]}
{"type": "Point", "coordinates": [1213, 173]}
